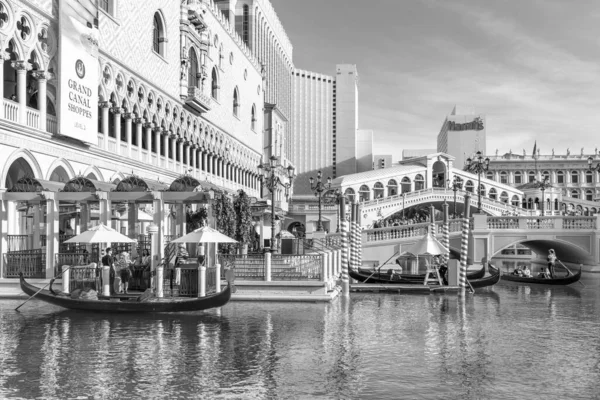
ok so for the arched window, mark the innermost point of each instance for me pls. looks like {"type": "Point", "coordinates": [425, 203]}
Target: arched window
{"type": "Point", "coordinates": [405, 185]}
{"type": "Point", "coordinates": [350, 194]}
{"type": "Point", "coordinates": [236, 102]}
{"type": "Point", "coordinates": [469, 186]}
{"type": "Point", "coordinates": [392, 187]}
{"type": "Point", "coordinates": [518, 177]}
{"type": "Point", "coordinates": [158, 35]}
{"type": "Point", "coordinates": [253, 117]}
{"type": "Point", "coordinates": [575, 193]}
{"type": "Point", "coordinates": [364, 193]}
{"type": "Point", "coordinates": [214, 86]}
{"type": "Point", "coordinates": [589, 195]}
{"type": "Point", "coordinates": [560, 177]}
{"type": "Point", "coordinates": [419, 182]}
{"type": "Point", "coordinates": [504, 197]}
{"type": "Point", "coordinates": [515, 200]}
{"type": "Point", "coordinates": [378, 190]}
{"type": "Point", "coordinates": [531, 176]}
{"type": "Point", "coordinates": [493, 194]}
{"type": "Point", "coordinates": [482, 190]}
{"type": "Point", "coordinates": [490, 175]}
{"type": "Point", "coordinates": [193, 69]}
{"type": "Point", "coordinates": [589, 177]}
{"type": "Point", "coordinates": [503, 177]}
{"type": "Point", "coordinates": [574, 176]}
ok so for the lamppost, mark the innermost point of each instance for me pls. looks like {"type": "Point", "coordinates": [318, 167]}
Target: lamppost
{"type": "Point", "coordinates": [543, 185]}
{"type": "Point", "coordinates": [319, 188]}
{"type": "Point", "coordinates": [269, 177]}
{"type": "Point", "coordinates": [478, 166]}
{"type": "Point", "coordinates": [456, 184]}
{"type": "Point", "coordinates": [403, 197]}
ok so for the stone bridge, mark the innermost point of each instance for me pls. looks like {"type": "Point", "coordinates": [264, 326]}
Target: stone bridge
{"type": "Point", "coordinates": [576, 240]}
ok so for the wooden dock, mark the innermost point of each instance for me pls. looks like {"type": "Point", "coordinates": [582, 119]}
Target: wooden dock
{"type": "Point", "coordinates": [395, 288]}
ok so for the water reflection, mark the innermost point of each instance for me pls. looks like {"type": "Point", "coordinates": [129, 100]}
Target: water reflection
{"type": "Point", "coordinates": [507, 341]}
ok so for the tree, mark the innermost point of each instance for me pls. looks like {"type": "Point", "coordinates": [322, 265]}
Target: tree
{"type": "Point", "coordinates": [226, 220]}
{"type": "Point", "coordinates": [243, 215]}
{"type": "Point", "coordinates": [197, 219]}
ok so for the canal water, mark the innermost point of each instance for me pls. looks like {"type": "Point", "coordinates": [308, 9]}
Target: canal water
{"type": "Point", "coordinates": [511, 341]}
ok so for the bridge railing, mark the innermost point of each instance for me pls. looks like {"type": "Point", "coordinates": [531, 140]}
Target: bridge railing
{"type": "Point", "coordinates": [407, 231]}
{"type": "Point", "coordinates": [538, 223]}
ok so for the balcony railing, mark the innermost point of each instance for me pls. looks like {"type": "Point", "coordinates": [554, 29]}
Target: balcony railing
{"type": "Point", "coordinates": [33, 118]}
{"type": "Point", "coordinates": [11, 110]}
{"type": "Point", "coordinates": [198, 100]}
{"type": "Point", "coordinates": [31, 262]}
{"type": "Point", "coordinates": [51, 124]}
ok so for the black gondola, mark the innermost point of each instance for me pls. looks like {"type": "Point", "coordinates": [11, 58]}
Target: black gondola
{"type": "Point", "coordinates": [129, 306]}
{"type": "Point", "coordinates": [361, 276]}
{"type": "Point", "coordinates": [478, 274]}
{"type": "Point", "coordinates": [566, 280]}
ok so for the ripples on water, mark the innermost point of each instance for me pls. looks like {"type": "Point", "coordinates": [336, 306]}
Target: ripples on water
{"type": "Point", "coordinates": [512, 341]}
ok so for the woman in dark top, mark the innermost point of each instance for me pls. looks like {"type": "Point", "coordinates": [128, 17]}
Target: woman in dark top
{"type": "Point", "coordinates": [108, 260]}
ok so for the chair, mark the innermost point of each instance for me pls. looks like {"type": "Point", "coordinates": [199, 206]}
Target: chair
{"type": "Point", "coordinates": [432, 275]}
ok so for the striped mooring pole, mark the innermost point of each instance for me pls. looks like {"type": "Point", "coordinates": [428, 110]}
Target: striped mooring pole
{"type": "Point", "coordinates": [352, 236]}
{"type": "Point", "coordinates": [432, 221]}
{"type": "Point", "coordinates": [344, 229]}
{"type": "Point", "coordinates": [446, 233]}
{"type": "Point", "coordinates": [359, 235]}
{"type": "Point", "coordinates": [464, 245]}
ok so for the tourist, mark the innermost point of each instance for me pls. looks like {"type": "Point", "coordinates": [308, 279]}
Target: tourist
{"type": "Point", "coordinates": [526, 272]}
{"type": "Point", "coordinates": [122, 267]}
{"type": "Point", "coordinates": [551, 262]}
{"type": "Point", "coordinates": [544, 273]}
{"type": "Point", "coordinates": [109, 261]}
{"type": "Point", "coordinates": [518, 271]}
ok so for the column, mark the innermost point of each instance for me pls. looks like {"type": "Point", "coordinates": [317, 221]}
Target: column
{"type": "Point", "coordinates": [165, 143]}
{"type": "Point", "coordinates": [117, 122]}
{"type": "Point", "coordinates": [105, 106]}
{"type": "Point", "coordinates": [192, 160]}
{"type": "Point", "coordinates": [208, 163]}
{"type": "Point", "coordinates": [138, 136]}
{"type": "Point", "coordinates": [52, 229]}
{"type": "Point", "coordinates": [85, 217]}
{"type": "Point", "coordinates": [204, 161]}
{"type": "Point", "coordinates": [3, 230]}
{"type": "Point", "coordinates": [128, 117]}
{"type": "Point", "coordinates": [2, 107]}
{"type": "Point", "coordinates": [188, 151]}
{"type": "Point", "coordinates": [179, 148]}
{"type": "Point", "coordinates": [180, 218]}
{"type": "Point", "coordinates": [21, 67]}
{"type": "Point", "coordinates": [158, 218]}
{"type": "Point", "coordinates": [37, 210]}
{"type": "Point", "coordinates": [104, 206]}
{"type": "Point", "coordinates": [42, 78]}
{"type": "Point", "coordinates": [131, 219]}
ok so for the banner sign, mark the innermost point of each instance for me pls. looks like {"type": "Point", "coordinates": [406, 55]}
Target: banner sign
{"type": "Point", "coordinates": [78, 78]}
{"type": "Point", "coordinates": [475, 125]}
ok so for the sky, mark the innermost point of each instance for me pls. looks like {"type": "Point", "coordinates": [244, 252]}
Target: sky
{"type": "Point", "coordinates": [531, 67]}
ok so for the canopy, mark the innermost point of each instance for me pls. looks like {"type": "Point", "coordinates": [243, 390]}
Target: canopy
{"type": "Point", "coordinates": [205, 234]}
{"type": "Point", "coordinates": [428, 245]}
{"type": "Point", "coordinates": [100, 234]}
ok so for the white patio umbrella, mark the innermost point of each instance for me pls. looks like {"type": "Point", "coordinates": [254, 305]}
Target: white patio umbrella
{"type": "Point", "coordinates": [428, 245]}
{"type": "Point", "coordinates": [100, 234]}
{"type": "Point", "coordinates": [205, 234]}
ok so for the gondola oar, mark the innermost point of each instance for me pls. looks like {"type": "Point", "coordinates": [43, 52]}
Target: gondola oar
{"type": "Point", "coordinates": [33, 295]}
{"type": "Point", "coordinates": [568, 270]}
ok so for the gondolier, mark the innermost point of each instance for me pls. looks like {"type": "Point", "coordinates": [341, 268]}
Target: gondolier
{"type": "Point", "coordinates": [551, 262]}
{"type": "Point", "coordinates": [109, 261]}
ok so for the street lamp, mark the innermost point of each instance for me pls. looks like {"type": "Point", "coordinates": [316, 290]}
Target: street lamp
{"type": "Point", "coordinates": [269, 177]}
{"type": "Point", "coordinates": [319, 188]}
{"type": "Point", "coordinates": [456, 185]}
{"type": "Point", "coordinates": [590, 167]}
{"type": "Point", "coordinates": [403, 197]}
{"type": "Point", "coordinates": [543, 185]}
{"type": "Point", "coordinates": [478, 166]}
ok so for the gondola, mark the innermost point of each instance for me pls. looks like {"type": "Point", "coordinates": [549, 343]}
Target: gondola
{"type": "Point", "coordinates": [480, 273]}
{"type": "Point", "coordinates": [566, 280]}
{"type": "Point", "coordinates": [362, 276]}
{"type": "Point", "coordinates": [153, 305]}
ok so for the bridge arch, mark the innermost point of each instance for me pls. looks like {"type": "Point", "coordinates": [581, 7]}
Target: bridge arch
{"type": "Point", "coordinates": [566, 251]}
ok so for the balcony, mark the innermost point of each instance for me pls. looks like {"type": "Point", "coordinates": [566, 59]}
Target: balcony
{"type": "Point", "coordinates": [198, 100]}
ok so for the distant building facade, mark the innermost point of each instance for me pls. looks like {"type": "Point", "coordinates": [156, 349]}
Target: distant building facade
{"type": "Point", "coordinates": [463, 134]}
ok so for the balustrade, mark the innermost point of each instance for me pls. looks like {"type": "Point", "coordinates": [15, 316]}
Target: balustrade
{"type": "Point", "coordinates": [112, 145]}
{"type": "Point", "coordinates": [51, 124]}
{"type": "Point", "coordinates": [32, 263]}
{"type": "Point", "coordinates": [32, 118]}
{"type": "Point", "coordinates": [18, 242]}
{"type": "Point", "coordinates": [11, 110]}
